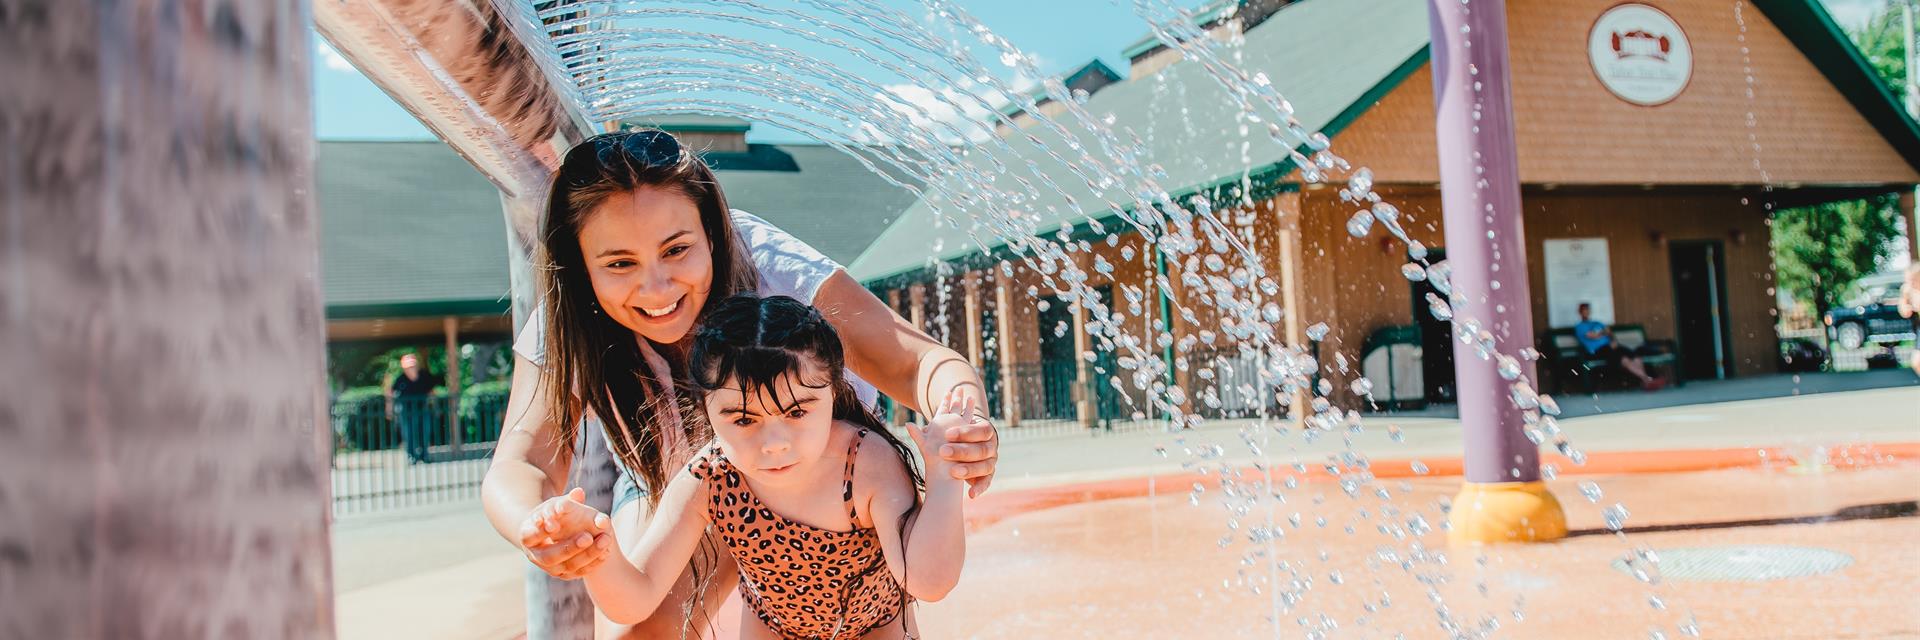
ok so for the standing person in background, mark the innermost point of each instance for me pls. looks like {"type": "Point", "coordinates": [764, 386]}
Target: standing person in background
{"type": "Point", "coordinates": [407, 398]}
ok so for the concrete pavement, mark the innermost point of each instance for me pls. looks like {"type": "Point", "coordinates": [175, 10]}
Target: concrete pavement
{"type": "Point", "coordinates": [442, 572]}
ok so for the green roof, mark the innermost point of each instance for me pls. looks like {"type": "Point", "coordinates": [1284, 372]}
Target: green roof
{"type": "Point", "coordinates": [407, 223]}
{"type": "Point", "coordinates": [410, 229]}
{"type": "Point", "coordinates": [1202, 17]}
{"type": "Point", "coordinates": [1310, 52]}
{"type": "Point", "coordinates": [1039, 93]}
{"type": "Point", "coordinates": [815, 192]}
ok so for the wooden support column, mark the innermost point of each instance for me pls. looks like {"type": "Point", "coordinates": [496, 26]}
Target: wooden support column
{"type": "Point", "coordinates": [1009, 383]}
{"type": "Point", "coordinates": [917, 307]}
{"type": "Point", "coordinates": [898, 416]}
{"type": "Point", "coordinates": [1295, 335]}
{"type": "Point", "coordinates": [451, 327]}
{"type": "Point", "coordinates": [1083, 406]}
{"type": "Point", "coordinates": [972, 302]}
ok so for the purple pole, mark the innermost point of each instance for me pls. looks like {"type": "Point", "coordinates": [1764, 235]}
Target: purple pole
{"type": "Point", "coordinates": [1480, 197]}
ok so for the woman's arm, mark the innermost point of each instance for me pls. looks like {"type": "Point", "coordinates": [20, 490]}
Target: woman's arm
{"type": "Point", "coordinates": [628, 590]}
{"type": "Point", "coordinates": [909, 366]}
{"type": "Point", "coordinates": [523, 490]}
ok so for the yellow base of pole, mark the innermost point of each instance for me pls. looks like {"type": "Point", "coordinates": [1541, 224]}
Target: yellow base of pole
{"type": "Point", "coordinates": [1498, 512]}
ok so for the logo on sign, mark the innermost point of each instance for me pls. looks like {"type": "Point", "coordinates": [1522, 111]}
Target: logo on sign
{"type": "Point", "coordinates": [1640, 54]}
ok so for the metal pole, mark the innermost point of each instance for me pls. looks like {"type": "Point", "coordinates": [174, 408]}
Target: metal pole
{"type": "Point", "coordinates": [1480, 198]}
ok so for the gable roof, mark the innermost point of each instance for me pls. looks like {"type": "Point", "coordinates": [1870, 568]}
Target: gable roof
{"type": "Point", "coordinates": [409, 228]}
{"type": "Point", "coordinates": [1039, 92]}
{"type": "Point", "coordinates": [1812, 30]}
{"type": "Point", "coordinates": [1294, 48]}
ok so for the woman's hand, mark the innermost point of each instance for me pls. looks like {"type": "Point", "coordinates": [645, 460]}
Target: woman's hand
{"type": "Point", "coordinates": [565, 537]}
{"type": "Point", "coordinates": [973, 449]}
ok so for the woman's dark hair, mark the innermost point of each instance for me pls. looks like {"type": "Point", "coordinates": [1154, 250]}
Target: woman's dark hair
{"type": "Point", "coordinates": [753, 341]}
{"type": "Point", "coordinates": [593, 362]}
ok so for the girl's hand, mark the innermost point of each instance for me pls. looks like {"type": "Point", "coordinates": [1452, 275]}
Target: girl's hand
{"type": "Point", "coordinates": [972, 446]}
{"type": "Point", "coordinates": [565, 537]}
{"type": "Point", "coordinates": [954, 412]}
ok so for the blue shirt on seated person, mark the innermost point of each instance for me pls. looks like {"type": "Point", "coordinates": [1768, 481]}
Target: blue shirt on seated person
{"type": "Point", "coordinates": [1592, 334]}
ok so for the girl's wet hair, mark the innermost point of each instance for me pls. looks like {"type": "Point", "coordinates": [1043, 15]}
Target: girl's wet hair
{"type": "Point", "coordinates": [593, 362]}
{"type": "Point", "coordinates": [753, 342]}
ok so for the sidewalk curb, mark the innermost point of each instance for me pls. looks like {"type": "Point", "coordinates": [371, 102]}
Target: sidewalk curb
{"type": "Point", "coordinates": [995, 507]}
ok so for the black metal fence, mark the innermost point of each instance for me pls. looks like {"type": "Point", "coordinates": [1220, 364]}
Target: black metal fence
{"type": "Point", "coordinates": [414, 450]}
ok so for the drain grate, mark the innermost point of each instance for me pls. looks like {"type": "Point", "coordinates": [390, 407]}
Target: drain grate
{"type": "Point", "coordinates": [1745, 564]}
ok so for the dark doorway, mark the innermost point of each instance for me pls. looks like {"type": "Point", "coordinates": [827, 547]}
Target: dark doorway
{"type": "Point", "coordinates": [1700, 309]}
{"type": "Point", "coordinates": [1436, 338]}
{"type": "Point", "coordinates": [1059, 363]}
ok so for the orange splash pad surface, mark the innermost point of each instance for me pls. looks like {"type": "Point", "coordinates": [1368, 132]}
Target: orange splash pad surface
{"type": "Point", "coordinates": [1137, 558]}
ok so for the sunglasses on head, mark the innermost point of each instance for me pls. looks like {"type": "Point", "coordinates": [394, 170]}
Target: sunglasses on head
{"type": "Point", "coordinates": [647, 147]}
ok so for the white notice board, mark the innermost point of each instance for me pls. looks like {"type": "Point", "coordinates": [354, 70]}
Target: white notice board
{"type": "Point", "coordinates": [1577, 271]}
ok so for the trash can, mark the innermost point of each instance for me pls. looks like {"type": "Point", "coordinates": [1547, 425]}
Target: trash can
{"type": "Point", "coordinates": [1391, 361]}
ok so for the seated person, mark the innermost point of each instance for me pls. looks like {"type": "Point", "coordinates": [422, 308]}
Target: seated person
{"type": "Point", "coordinates": [1597, 339]}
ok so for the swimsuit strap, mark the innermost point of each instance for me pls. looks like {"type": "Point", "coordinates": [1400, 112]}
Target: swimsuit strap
{"type": "Point", "coordinates": [846, 492]}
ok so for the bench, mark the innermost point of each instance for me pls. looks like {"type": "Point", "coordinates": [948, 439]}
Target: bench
{"type": "Point", "coordinates": [1567, 360]}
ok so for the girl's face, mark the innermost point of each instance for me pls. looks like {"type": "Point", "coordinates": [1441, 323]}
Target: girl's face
{"type": "Point", "coordinates": [648, 258]}
{"type": "Point", "coordinates": [768, 444]}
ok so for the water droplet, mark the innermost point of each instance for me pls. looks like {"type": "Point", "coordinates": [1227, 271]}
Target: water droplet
{"type": "Point", "coordinates": [1413, 271]}
{"type": "Point", "coordinates": [1524, 396]}
{"type": "Point", "coordinates": [1509, 368]}
{"type": "Point", "coordinates": [1059, 330]}
{"type": "Point", "coordinates": [1385, 212]}
{"type": "Point", "coordinates": [1360, 223]}
{"type": "Point", "coordinates": [1215, 263]}
{"type": "Point", "coordinates": [1591, 491]}
{"type": "Point", "coordinates": [1394, 433]}
{"type": "Point", "coordinates": [1657, 603]}
{"type": "Point", "coordinates": [1271, 312]}
{"type": "Point", "coordinates": [1317, 332]}
{"type": "Point", "coordinates": [1361, 386]}
{"type": "Point", "coordinates": [1419, 467]}
{"type": "Point", "coordinates": [1548, 405]}
{"type": "Point", "coordinates": [1549, 472]}
{"type": "Point", "coordinates": [1361, 182]}
{"type": "Point", "coordinates": [1416, 250]}
{"type": "Point", "coordinates": [1439, 308]}
{"type": "Point", "coordinates": [1043, 305]}
{"type": "Point", "coordinates": [1615, 516]}
{"type": "Point", "coordinates": [1441, 275]}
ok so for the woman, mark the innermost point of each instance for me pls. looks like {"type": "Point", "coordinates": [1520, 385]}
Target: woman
{"type": "Point", "coordinates": [637, 242]}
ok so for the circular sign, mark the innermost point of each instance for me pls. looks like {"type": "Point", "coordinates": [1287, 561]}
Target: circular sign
{"type": "Point", "coordinates": [1640, 54]}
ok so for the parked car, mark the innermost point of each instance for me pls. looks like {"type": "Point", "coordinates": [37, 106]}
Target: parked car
{"type": "Point", "coordinates": [1801, 355]}
{"type": "Point", "coordinates": [1876, 322]}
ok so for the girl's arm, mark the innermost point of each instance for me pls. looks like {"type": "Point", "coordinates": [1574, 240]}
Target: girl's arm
{"type": "Point", "coordinates": [912, 368]}
{"type": "Point", "coordinates": [629, 590]}
{"type": "Point", "coordinates": [927, 558]}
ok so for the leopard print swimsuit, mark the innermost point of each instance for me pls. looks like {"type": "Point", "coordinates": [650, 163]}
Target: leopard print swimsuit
{"type": "Point", "coordinates": [802, 581]}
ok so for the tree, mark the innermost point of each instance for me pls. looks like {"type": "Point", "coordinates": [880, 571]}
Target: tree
{"type": "Point", "coordinates": [1884, 47]}
{"type": "Point", "coordinates": [1821, 250]}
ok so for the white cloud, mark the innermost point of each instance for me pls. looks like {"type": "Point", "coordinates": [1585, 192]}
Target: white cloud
{"type": "Point", "coordinates": [926, 109]}
{"type": "Point", "coordinates": [330, 57]}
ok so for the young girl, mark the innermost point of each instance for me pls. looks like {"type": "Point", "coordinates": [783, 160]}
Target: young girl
{"type": "Point", "coordinates": [817, 503]}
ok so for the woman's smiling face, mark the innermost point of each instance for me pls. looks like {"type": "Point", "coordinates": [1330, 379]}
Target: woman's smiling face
{"type": "Point", "coordinates": [648, 258]}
